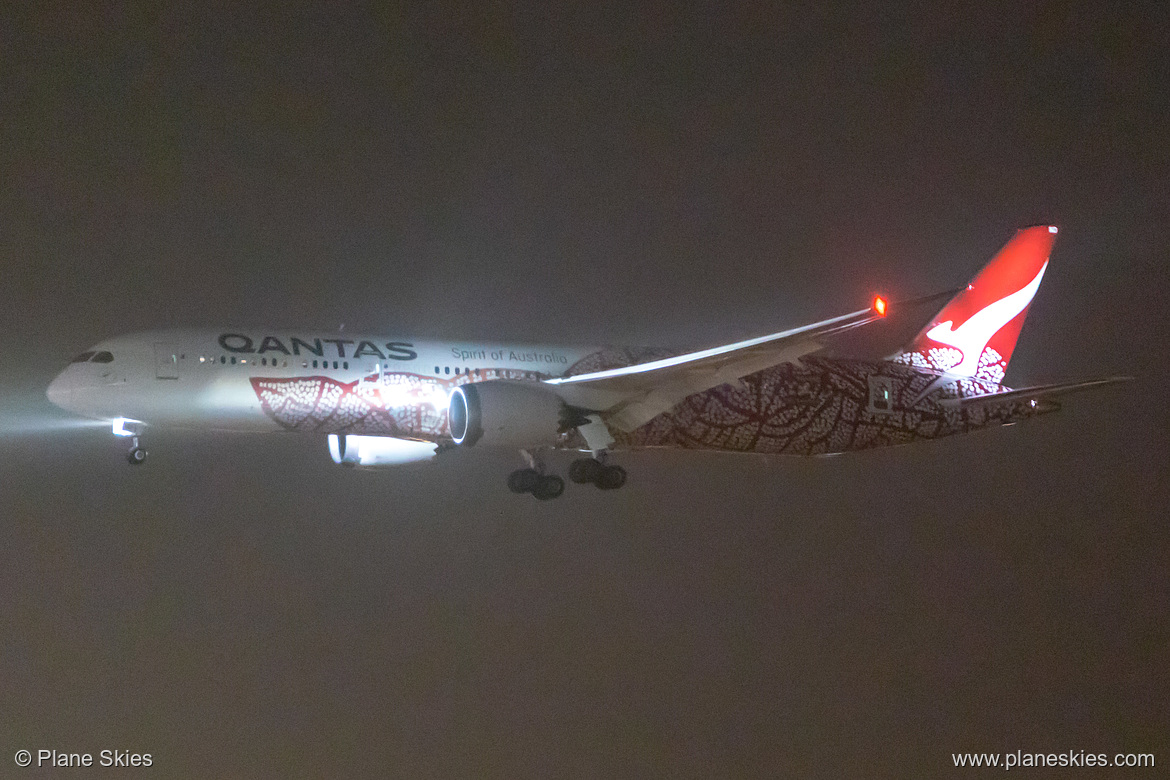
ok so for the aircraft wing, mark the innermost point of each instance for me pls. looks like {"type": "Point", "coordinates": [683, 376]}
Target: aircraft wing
{"type": "Point", "coordinates": [633, 395]}
{"type": "Point", "coordinates": [1038, 393]}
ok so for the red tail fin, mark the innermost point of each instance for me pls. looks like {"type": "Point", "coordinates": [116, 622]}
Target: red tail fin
{"type": "Point", "coordinates": [974, 334]}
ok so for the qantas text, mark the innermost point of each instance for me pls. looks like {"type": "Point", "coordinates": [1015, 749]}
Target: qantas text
{"type": "Point", "coordinates": [392, 350]}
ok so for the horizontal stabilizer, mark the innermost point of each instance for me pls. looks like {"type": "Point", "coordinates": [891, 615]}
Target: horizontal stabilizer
{"type": "Point", "coordinates": [1038, 393]}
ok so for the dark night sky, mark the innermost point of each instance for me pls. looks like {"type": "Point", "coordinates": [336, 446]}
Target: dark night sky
{"type": "Point", "coordinates": [587, 173]}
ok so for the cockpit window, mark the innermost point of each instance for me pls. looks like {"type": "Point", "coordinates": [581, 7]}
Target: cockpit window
{"type": "Point", "coordinates": [84, 356]}
{"type": "Point", "coordinates": [103, 357]}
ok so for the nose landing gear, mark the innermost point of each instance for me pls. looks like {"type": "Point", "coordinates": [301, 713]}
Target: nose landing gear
{"type": "Point", "coordinates": [137, 455]}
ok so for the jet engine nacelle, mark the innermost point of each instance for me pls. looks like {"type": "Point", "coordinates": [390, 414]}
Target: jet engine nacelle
{"type": "Point", "coordinates": [377, 451]}
{"type": "Point", "coordinates": [501, 413]}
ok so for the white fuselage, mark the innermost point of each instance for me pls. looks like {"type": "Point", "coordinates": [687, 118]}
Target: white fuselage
{"type": "Point", "coordinates": [213, 379]}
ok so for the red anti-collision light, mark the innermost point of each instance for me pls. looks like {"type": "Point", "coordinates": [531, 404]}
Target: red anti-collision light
{"type": "Point", "coordinates": [879, 306]}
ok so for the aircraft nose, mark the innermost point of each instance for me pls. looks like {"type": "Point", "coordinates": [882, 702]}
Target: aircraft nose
{"type": "Point", "coordinates": [59, 392]}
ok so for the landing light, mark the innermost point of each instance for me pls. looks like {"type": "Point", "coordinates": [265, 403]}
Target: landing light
{"type": "Point", "coordinates": [1052, 228]}
{"type": "Point", "coordinates": [879, 306]}
{"type": "Point", "coordinates": [120, 426]}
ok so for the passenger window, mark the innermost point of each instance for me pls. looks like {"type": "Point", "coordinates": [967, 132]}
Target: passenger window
{"type": "Point", "coordinates": [456, 370]}
{"type": "Point", "coordinates": [222, 360]}
{"type": "Point", "coordinates": [436, 368]}
{"type": "Point", "coordinates": [345, 365]}
{"type": "Point", "coordinates": [233, 360]}
{"type": "Point", "coordinates": [103, 357]}
{"type": "Point", "coordinates": [335, 364]}
{"type": "Point", "coordinates": [447, 369]}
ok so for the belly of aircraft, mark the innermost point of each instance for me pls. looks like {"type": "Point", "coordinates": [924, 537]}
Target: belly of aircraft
{"type": "Point", "coordinates": [817, 406]}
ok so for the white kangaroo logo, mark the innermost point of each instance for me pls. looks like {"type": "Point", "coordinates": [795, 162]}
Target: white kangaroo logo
{"type": "Point", "coordinates": [972, 336]}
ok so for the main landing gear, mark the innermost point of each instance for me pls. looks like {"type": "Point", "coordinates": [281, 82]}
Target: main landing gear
{"type": "Point", "coordinates": [584, 471]}
{"type": "Point", "coordinates": [545, 487]}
